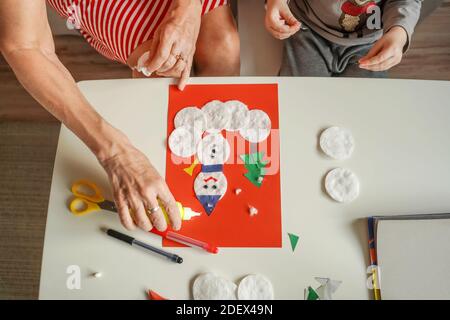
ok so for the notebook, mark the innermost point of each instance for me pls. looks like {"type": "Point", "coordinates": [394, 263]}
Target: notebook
{"type": "Point", "coordinates": [412, 253]}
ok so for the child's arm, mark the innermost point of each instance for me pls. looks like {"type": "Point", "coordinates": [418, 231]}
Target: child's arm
{"type": "Point", "coordinates": [280, 21]}
{"type": "Point", "coordinates": [399, 20]}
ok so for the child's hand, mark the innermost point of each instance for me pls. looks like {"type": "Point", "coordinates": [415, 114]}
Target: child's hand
{"type": "Point", "coordinates": [386, 52]}
{"type": "Point", "coordinates": [280, 21]}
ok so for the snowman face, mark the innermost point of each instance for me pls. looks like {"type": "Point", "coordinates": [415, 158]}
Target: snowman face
{"type": "Point", "coordinates": [213, 149]}
{"type": "Point", "coordinates": [210, 184]}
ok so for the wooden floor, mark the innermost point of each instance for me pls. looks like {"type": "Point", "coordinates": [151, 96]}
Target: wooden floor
{"type": "Point", "coordinates": [27, 152]}
{"type": "Point", "coordinates": [82, 61]}
{"type": "Point", "coordinates": [429, 55]}
{"type": "Point", "coordinates": [27, 148]}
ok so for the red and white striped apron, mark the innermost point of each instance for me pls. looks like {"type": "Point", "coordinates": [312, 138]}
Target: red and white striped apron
{"type": "Point", "coordinates": [116, 27]}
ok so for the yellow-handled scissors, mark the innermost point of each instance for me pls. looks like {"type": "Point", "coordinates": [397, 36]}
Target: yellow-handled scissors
{"type": "Point", "coordinates": [88, 198]}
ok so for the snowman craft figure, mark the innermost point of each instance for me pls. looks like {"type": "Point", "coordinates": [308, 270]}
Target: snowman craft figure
{"type": "Point", "coordinates": [199, 132]}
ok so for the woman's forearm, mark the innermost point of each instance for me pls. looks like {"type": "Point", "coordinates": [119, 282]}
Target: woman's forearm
{"type": "Point", "coordinates": [50, 83]}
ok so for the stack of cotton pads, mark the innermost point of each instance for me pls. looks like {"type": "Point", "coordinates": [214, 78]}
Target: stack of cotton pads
{"type": "Point", "coordinates": [209, 286]}
{"type": "Point", "coordinates": [341, 184]}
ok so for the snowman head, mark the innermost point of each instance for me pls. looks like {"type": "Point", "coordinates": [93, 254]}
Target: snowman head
{"type": "Point", "coordinates": [213, 149]}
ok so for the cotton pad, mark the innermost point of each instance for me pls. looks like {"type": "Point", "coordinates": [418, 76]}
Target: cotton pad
{"type": "Point", "coordinates": [208, 286]}
{"type": "Point", "coordinates": [239, 115]}
{"type": "Point", "coordinates": [213, 149]}
{"type": "Point", "coordinates": [337, 143]}
{"type": "Point", "coordinates": [258, 127]}
{"type": "Point", "coordinates": [217, 116]}
{"type": "Point", "coordinates": [183, 141]}
{"type": "Point", "coordinates": [342, 185]}
{"type": "Point", "coordinates": [191, 117]}
{"type": "Point", "coordinates": [141, 64]}
{"type": "Point", "coordinates": [255, 287]}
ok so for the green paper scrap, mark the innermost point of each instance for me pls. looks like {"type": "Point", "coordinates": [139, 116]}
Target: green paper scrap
{"type": "Point", "coordinates": [255, 166]}
{"type": "Point", "coordinates": [294, 240]}
{"type": "Point", "coordinates": [254, 158]}
{"type": "Point", "coordinates": [311, 294]}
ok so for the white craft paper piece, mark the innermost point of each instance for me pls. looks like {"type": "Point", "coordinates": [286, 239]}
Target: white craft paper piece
{"type": "Point", "coordinates": [208, 286]}
{"type": "Point", "coordinates": [327, 288]}
{"type": "Point", "coordinates": [255, 287]}
{"type": "Point", "coordinates": [258, 127]}
{"type": "Point", "coordinates": [183, 141]}
{"type": "Point", "coordinates": [337, 143]}
{"type": "Point", "coordinates": [342, 185]}
{"type": "Point", "coordinates": [218, 116]}
{"type": "Point", "coordinates": [190, 117]}
{"type": "Point", "coordinates": [239, 115]}
{"type": "Point", "coordinates": [213, 149]}
{"type": "Point", "coordinates": [210, 183]}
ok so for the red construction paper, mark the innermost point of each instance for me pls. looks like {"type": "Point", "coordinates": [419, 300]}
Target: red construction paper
{"type": "Point", "coordinates": [230, 224]}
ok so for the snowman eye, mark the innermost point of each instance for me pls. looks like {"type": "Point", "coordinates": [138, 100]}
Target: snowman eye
{"type": "Point", "coordinates": [205, 186]}
{"type": "Point", "coordinates": [213, 149]}
{"type": "Point", "coordinates": [214, 187]}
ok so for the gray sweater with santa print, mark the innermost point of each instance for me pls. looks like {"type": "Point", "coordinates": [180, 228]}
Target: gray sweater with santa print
{"type": "Point", "coordinates": [356, 22]}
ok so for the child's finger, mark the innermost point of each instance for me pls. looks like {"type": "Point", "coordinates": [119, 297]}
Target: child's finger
{"type": "Point", "coordinates": [382, 56]}
{"type": "Point", "coordinates": [382, 66]}
{"type": "Point", "coordinates": [279, 35]}
{"type": "Point", "coordinates": [290, 19]}
{"type": "Point", "coordinates": [372, 52]}
{"type": "Point", "coordinates": [278, 25]}
{"type": "Point", "coordinates": [279, 29]}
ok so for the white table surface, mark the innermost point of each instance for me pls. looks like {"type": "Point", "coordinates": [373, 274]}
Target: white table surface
{"type": "Point", "coordinates": [402, 158]}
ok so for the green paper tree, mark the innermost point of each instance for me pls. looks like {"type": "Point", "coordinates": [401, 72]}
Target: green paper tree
{"type": "Point", "coordinates": [255, 166]}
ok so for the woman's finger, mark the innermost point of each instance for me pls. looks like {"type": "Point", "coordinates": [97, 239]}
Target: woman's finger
{"type": "Point", "coordinates": [176, 71]}
{"type": "Point", "coordinates": [161, 54]}
{"type": "Point", "coordinates": [139, 214]}
{"type": "Point", "coordinates": [185, 75]}
{"type": "Point", "coordinates": [154, 212]}
{"type": "Point", "coordinates": [169, 64]}
{"type": "Point", "coordinates": [124, 213]}
{"type": "Point", "coordinates": [168, 201]}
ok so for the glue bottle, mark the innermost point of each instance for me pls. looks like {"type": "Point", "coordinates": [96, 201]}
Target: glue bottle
{"type": "Point", "coordinates": [185, 212]}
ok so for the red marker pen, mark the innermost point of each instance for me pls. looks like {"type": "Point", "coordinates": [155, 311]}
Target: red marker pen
{"type": "Point", "coordinates": [171, 235]}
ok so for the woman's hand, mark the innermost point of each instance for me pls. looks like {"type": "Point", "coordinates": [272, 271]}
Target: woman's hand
{"type": "Point", "coordinates": [27, 44]}
{"type": "Point", "coordinates": [386, 52]}
{"type": "Point", "coordinates": [280, 21]}
{"type": "Point", "coordinates": [137, 188]}
{"type": "Point", "coordinates": [173, 44]}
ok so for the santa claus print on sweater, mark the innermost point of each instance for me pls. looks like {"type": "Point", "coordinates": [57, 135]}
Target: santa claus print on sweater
{"type": "Point", "coordinates": [354, 14]}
